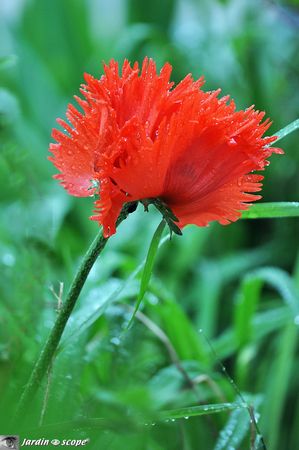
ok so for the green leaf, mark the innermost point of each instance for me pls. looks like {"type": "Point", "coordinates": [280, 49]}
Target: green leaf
{"type": "Point", "coordinates": [148, 268]}
{"type": "Point", "coordinates": [286, 130]}
{"type": "Point", "coordinates": [272, 210]}
{"type": "Point", "coordinates": [200, 410]}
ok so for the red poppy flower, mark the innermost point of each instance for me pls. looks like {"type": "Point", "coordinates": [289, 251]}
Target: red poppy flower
{"type": "Point", "coordinates": [138, 137]}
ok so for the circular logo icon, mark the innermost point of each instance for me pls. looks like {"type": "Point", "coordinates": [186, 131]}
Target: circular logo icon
{"type": "Point", "coordinates": [55, 442]}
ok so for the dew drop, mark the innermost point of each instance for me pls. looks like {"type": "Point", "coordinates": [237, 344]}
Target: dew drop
{"type": "Point", "coordinates": [8, 259]}
{"type": "Point", "coordinates": [153, 300]}
{"type": "Point", "coordinates": [115, 341]}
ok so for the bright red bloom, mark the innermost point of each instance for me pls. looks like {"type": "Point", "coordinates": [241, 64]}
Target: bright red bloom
{"type": "Point", "coordinates": [137, 137]}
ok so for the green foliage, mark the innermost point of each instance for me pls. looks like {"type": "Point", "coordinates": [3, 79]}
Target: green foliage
{"type": "Point", "coordinates": [157, 385]}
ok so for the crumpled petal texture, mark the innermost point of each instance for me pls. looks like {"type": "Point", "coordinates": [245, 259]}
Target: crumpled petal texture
{"type": "Point", "coordinates": [138, 137]}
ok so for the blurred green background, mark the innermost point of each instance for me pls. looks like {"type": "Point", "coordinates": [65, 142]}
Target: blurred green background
{"type": "Point", "coordinates": [238, 284]}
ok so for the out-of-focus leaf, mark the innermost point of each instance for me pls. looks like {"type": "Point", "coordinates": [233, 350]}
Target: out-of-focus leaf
{"type": "Point", "coordinates": [283, 283]}
{"type": "Point", "coordinates": [94, 305]}
{"type": "Point", "coordinates": [9, 108]}
{"type": "Point", "coordinates": [263, 324]}
{"type": "Point", "coordinates": [7, 61]}
{"type": "Point", "coordinates": [281, 369]}
{"type": "Point", "coordinates": [247, 301]}
{"type": "Point", "coordinates": [132, 39]}
{"type": "Point", "coordinates": [159, 13]}
{"type": "Point", "coordinates": [181, 332]}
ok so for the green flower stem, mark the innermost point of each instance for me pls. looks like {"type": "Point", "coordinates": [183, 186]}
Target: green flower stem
{"type": "Point", "coordinates": [272, 210]}
{"type": "Point", "coordinates": [48, 352]}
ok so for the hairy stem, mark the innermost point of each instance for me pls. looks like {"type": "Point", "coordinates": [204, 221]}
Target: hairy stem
{"type": "Point", "coordinates": [48, 352]}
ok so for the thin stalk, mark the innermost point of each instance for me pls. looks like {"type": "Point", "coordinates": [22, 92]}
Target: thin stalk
{"type": "Point", "coordinates": [286, 130]}
{"type": "Point", "coordinates": [48, 352]}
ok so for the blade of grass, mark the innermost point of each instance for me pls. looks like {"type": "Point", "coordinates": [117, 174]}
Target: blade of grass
{"type": "Point", "coordinates": [286, 130]}
{"type": "Point", "coordinates": [246, 304]}
{"type": "Point", "coordinates": [278, 382]}
{"type": "Point", "coordinates": [201, 410]}
{"type": "Point", "coordinates": [148, 268]}
{"type": "Point", "coordinates": [272, 210]}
